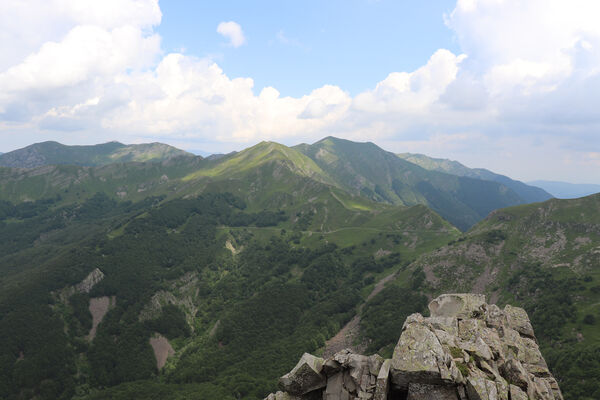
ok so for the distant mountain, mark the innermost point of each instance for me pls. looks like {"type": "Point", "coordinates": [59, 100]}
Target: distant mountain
{"type": "Point", "coordinates": [53, 153]}
{"type": "Point", "coordinates": [565, 190]}
{"type": "Point", "coordinates": [530, 194]}
{"type": "Point", "coordinates": [367, 170]}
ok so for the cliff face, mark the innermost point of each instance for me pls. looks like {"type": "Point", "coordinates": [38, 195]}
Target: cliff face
{"type": "Point", "coordinates": [466, 350]}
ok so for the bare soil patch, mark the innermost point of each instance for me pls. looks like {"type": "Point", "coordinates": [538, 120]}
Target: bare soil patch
{"type": "Point", "coordinates": [162, 350]}
{"type": "Point", "coordinates": [99, 306]}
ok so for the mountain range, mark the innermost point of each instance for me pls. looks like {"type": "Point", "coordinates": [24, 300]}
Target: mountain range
{"type": "Point", "coordinates": [361, 170]}
{"type": "Point", "coordinates": [189, 277]}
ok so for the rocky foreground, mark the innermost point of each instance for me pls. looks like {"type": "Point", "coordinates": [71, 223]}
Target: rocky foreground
{"type": "Point", "coordinates": [466, 350]}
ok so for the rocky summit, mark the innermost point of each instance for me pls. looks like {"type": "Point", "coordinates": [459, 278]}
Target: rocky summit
{"type": "Point", "coordinates": [465, 350]}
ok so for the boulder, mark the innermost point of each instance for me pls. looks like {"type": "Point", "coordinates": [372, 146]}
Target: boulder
{"type": "Point", "coordinates": [513, 371]}
{"type": "Point", "coordinates": [517, 394]}
{"type": "Point", "coordinates": [518, 320]}
{"type": "Point", "coordinates": [467, 350]}
{"type": "Point", "coordinates": [419, 358]}
{"type": "Point", "coordinates": [382, 385]}
{"type": "Point", "coordinates": [481, 388]}
{"type": "Point", "coordinates": [459, 305]}
{"type": "Point", "coordinates": [335, 389]}
{"type": "Point", "coordinates": [420, 391]}
{"type": "Point", "coordinates": [281, 396]}
{"type": "Point", "coordinates": [305, 377]}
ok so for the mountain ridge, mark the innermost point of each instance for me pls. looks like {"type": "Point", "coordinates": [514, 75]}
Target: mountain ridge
{"type": "Point", "coordinates": [50, 152]}
{"type": "Point", "coordinates": [366, 169]}
{"type": "Point", "coordinates": [530, 194]}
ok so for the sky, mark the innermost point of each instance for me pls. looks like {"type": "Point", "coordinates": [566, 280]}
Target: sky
{"type": "Point", "coordinates": [508, 85]}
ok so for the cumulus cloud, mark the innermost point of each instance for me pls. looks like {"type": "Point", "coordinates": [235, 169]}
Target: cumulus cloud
{"type": "Point", "coordinates": [232, 31]}
{"type": "Point", "coordinates": [527, 81]}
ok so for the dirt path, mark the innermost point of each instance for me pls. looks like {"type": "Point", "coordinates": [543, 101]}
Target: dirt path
{"type": "Point", "coordinates": [344, 229]}
{"type": "Point", "coordinates": [380, 285]}
{"type": "Point", "coordinates": [346, 337]}
{"type": "Point", "coordinates": [162, 350]}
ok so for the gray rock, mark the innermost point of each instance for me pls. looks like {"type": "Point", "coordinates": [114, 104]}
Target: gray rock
{"type": "Point", "coordinates": [281, 396]}
{"type": "Point", "coordinates": [86, 285]}
{"type": "Point", "coordinates": [335, 389]}
{"type": "Point", "coordinates": [481, 388]}
{"type": "Point", "coordinates": [513, 371]}
{"type": "Point", "coordinates": [305, 377]}
{"type": "Point", "coordinates": [419, 391]}
{"type": "Point", "coordinates": [446, 324]}
{"type": "Point", "coordinates": [517, 394]}
{"type": "Point", "coordinates": [494, 317]}
{"type": "Point", "coordinates": [419, 358]}
{"type": "Point", "coordinates": [459, 305]}
{"type": "Point", "coordinates": [466, 350]}
{"type": "Point", "coordinates": [382, 386]}
{"type": "Point", "coordinates": [518, 320]}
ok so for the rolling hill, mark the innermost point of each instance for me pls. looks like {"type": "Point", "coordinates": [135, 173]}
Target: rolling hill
{"type": "Point", "coordinates": [529, 193]}
{"type": "Point", "coordinates": [53, 153]}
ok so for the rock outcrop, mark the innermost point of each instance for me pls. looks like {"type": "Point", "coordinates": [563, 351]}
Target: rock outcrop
{"type": "Point", "coordinates": [466, 350]}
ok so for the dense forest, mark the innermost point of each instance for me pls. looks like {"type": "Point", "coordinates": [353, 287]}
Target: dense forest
{"type": "Point", "coordinates": [273, 301]}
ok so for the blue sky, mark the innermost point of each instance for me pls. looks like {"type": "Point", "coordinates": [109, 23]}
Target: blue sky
{"type": "Point", "coordinates": [296, 46]}
{"type": "Point", "coordinates": [508, 85]}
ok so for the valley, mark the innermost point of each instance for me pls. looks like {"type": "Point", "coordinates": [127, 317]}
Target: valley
{"type": "Point", "coordinates": [177, 276]}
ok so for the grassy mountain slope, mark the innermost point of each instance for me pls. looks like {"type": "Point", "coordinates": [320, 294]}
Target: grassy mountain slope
{"type": "Point", "coordinates": [53, 153]}
{"type": "Point", "coordinates": [239, 291]}
{"type": "Point", "coordinates": [545, 257]}
{"type": "Point", "coordinates": [369, 171]}
{"type": "Point", "coordinates": [362, 170]}
{"type": "Point", "coordinates": [530, 194]}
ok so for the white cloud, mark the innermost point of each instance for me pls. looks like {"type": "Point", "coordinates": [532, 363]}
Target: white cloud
{"type": "Point", "coordinates": [232, 31]}
{"type": "Point", "coordinates": [525, 86]}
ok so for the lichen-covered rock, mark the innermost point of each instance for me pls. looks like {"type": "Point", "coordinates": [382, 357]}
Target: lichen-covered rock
{"type": "Point", "coordinates": [518, 320]}
{"type": "Point", "coordinates": [281, 396]}
{"type": "Point", "coordinates": [517, 394]}
{"type": "Point", "coordinates": [305, 377]}
{"type": "Point", "coordinates": [420, 391]}
{"type": "Point", "coordinates": [420, 358]}
{"type": "Point", "coordinates": [382, 385]}
{"type": "Point", "coordinates": [461, 305]}
{"type": "Point", "coordinates": [467, 350]}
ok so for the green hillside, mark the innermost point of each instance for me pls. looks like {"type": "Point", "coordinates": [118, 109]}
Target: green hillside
{"type": "Point", "coordinates": [530, 194]}
{"type": "Point", "coordinates": [361, 170]}
{"type": "Point", "coordinates": [241, 263]}
{"type": "Point", "coordinates": [367, 170]}
{"type": "Point", "coordinates": [53, 153]}
{"type": "Point", "coordinates": [545, 257]}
